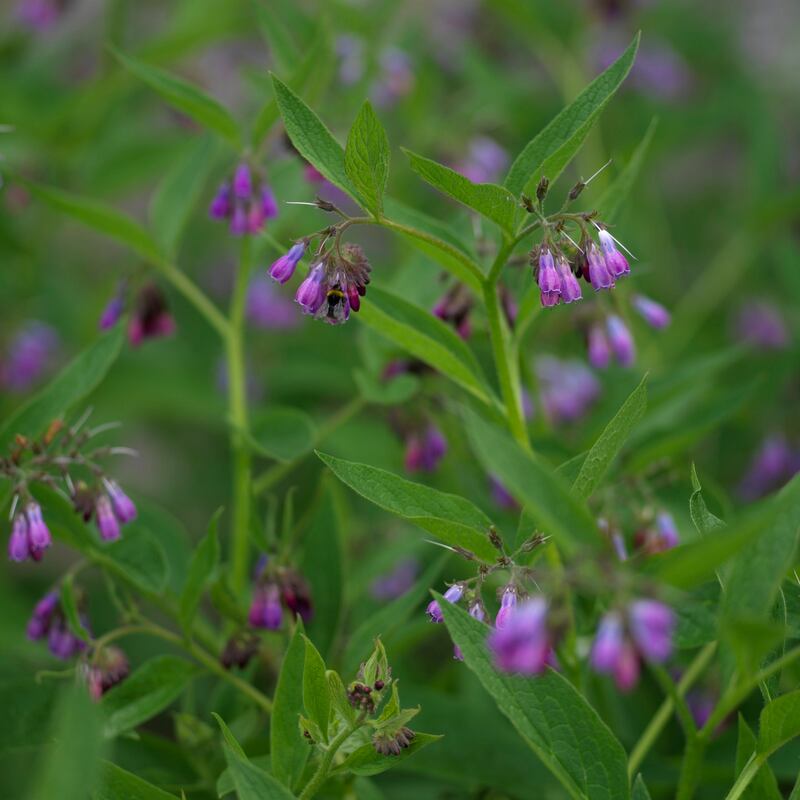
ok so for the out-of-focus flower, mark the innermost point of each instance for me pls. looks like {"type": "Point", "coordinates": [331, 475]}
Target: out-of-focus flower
{"type": "Point", "coordinates": [425, 449]}
{"type": "Point", "coordinates": [350, 50]}
{"type": "Point", "coordinates": [524, 643]}
{"type": "Point", "coordinates": [265, 608]}
{"type": "Point", "coordinates": [29, 355]}
{"type": "Point", "coordinates": [108, 667]}
{"type": "Point", "coordinates": [454, 308]}
{"type": "Point", "coordinates": [654, 314]}
{"type": "Point", "coordinates": [508, 602]}
{"type": "Point", "coordinates": [761, 325]}
{"type": "Point", "coordinates": [501, 496]}
{"type": "Point", "coordinates": [775, 463]}
{"type": "Point", "coordinates": [453, 594]}
{"type": "Point", "coordinates": [151, 316]}
{"type": "Point", "coordinates": [485, 162]}
{"type": "Point", "coordinates": [396, 582]}
{"type": "Point", "coordinates": [40, 15]}
{"type": "Point", "coordinates": [396, 78]}
{"type": "Point", "coordinates": [268, 308]}
{"type": "Point", "coordinates": [599, 348]}
{"type": "Point", "coordinates": [568, 388]}
{"type": "Point", "coordinates": [621, 340]}
{"type": "Point", "coordinates": [48, 621]}
{"type": "Point", "coordinates": [245, 201]}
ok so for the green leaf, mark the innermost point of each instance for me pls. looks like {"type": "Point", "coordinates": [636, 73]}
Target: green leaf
{"type": "Point", "coordinates": [779, 722]}
{"type": "Point", "coordinates": [139, 557]}
{"type": "Point", "coordinates": [437, 240]}
{"type": "Point", "coordinates": [316, 691]}
{"type": "Point", "coordinates": [279, 41]}
{"type": "Point", "coordinates": [186, 97]}
{"type": "Point", "coordinates": [400, 389]}
{"type": "Point", "coordinates": [639, 789]}
{"type": "Point", "coordinates": [69, 605]}
{"type": "Point", "coordinates": [553, 147]}
{"type": "Point", "coordinates": [610, 442]}
{"type": "Point", "coordinates": [322, 564]}
{"type": "Point", "coordinates": [100, 217]}
{"type": "Point", "coordinates": [67, 389]}
{"type": "Point", "coordinates": [27, 708]}
{"type": "Point", "coordinates": [426, 337]}
{"type": "Point", "coordinates": [176, 197]}
{"type": "Point", "coordinates": [204, 562]}
{"type": "Point", "coordinates": [454, 520]}
{"type": "Point", "coordinates": [116, 783]}
{"type": "Point", "coordinates": [366, 158]}
{"type": "Point", "coordinates": [250, 781]}
{"type": "Point", "coordinates": [70, 766]}
{"type": "Point", "coordinates": [704, 521]}
{"type": "Point", "coordinates": [551, 716]}
{"type": "Point", "coordinates": [493, 202]}
{"type": "Point", "coordinates": [366, 761]}
{"type": "Point", "coordinates": [283, 433]}
{"type": "Point", "coordinates": [312, 139]}
{"type": "Point", "coordinates": [145, 693]}
{"type": "Point", "coordinates": [390, 617]}
{"type": "Point", "coordinates": [288, 748]}
{"type": "Point", "coordinates": [612, 200]}
{"type": "Point", "coordinates": [533, 483]}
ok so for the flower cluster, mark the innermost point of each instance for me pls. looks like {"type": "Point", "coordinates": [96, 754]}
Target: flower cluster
{"type": "Point", "coordinates": [28, 356]}
{"type": "Point", "coordinates": [61, 460]}
{"type": "Point", "coordinates": [245, 201]}
{"type": "Point", "coordinates": [567, 388]}
{"type": "Point", "coordinates": [107, 667]}
{"type": "Point", "coordinates": [425, 449]}
{"type": "Point", "coordinates": [49, 622]}
{"type": "Point", "coordinates": [278, 588]}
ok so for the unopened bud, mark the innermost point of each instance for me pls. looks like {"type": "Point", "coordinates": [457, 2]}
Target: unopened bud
{"type": "Point", "coordinates": [324, 205]}
{"type": "Point", "coordinates": [533, 542]}
{"type": "Point", "coordinates": [527, 204]}
{"type": "Point", "coordinates": [575, 191]}
{"type": "Point", "coordinates": [541, 189]}
{"type": "Point", "coordinates": [495, 538]}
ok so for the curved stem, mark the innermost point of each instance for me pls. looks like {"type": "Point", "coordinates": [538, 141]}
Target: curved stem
{"type": "Point", "coordinates": [321, 775]}
{"type": "Point", "coordinates": [662, 716]}
{"type": "Point", "coordinates": [237, 410]}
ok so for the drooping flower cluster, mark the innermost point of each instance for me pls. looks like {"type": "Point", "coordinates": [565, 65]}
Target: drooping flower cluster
{"type": "Point", "coordinates": [105, 668]}
{"type": "Point", "coordinates": [28, 356]}
{"type": "Point", "coordinates": [245, 201]}
{"type": "Point", "coordinates": [454, 308]}
{"type": "Point", "coordinates": [278, 588]}
{"type": "Point", "coordinates": [62, 460]}
{"type": "Point", "coordinates": [49, 622]}
{"type": "Point", "coordinates": [151, 317]}
{"type": "Point", "coordinates": [425, 449]}
{"type": "Point", "coordinates": [567, 388]}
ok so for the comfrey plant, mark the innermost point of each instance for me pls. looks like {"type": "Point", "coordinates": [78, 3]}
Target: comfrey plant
{"type": "Point", "coordinates": [567, 587]}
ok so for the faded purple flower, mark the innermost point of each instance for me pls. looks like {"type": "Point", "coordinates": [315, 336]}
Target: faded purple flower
{"type": "Point", "coordinates": [107, 523]}
{"type": "Point", "coordinates": [667, 530]}
{"type": "Point", "coordinates": [501, 496]}
{"type": "Point", "coordinates": [396, 582]}
{"type": "Point", "coordinates": [485, 162]}
{"type": "Point", "coordinates": [616, 262]}
{"type": "Point", "coordinates": [425, 450]}
{"type": "Point", "coordinates": [523, 644]}
{"type": "Point", "coordinates": [508, 602]}
{"type": "Point", "coordinates": [654, 314]}
{"type": "Point", "coordinates": [123, 506]}
{"type": "Point", "coordinates": [652, 624]}
{"type": "Point", "coordinates": [268, 308]}
{"type": "Point", "coordinates": [775, 463]}
{"type": "Point", "coordinates": [113, 311]}
{"type": "Point", "coordinates": [570, 288]}
{"type": "Point", "coordinates": [310, 293]}
{"type": "Point", "coordinates": [29, 356]}
{"type": "Point", "coordinates": [621, 340]}
{"type": "Point", "coordinates": [567, 388]}
{"type": "Point", "coordinates": [245, 201]}
{"type": "Point", "coordinates": [39, 538]}
{"type": "Point", "coordinates": [395, 80]}
{"type": "Point", "coordinates": [265, 610]}
{"type": "Point", "coordinates": [599, 348]}
{"type": "Point", "coordinates": [548, 280]}
{"type": "Point", "coordinates": [452, 595]}
{"type": "Point", "coordinates": [18, 548]}
{"type": "Point", "coordinates": [151, 317]}
{"type": "Point", "coordinates": [761, 325]}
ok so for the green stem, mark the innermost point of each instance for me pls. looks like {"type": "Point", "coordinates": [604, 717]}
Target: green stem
{"type": "Point", "coordinates": [237, 410]}
{"type": "Point", "coordinates": [662, 716]}
{"type": "Point", "coordinates": [752, 766]}
{"type": "Point", "coordinates": [321, 775]}
{"type": "Point", "coordinates": [691, 768]}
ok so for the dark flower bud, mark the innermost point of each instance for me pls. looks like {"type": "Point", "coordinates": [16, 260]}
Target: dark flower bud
{"type": "Point", "coordinates": [575, 191]}
{"type": "Point", "coordinates": [239, 649]}
{"type": "Point", "coordinates": [541, 189]}
{"type": "Point", "coordinates": [392, 743]}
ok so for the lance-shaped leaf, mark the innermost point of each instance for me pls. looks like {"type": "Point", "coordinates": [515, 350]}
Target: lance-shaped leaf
{"type": "Point", "coordinates": [704, 521]}
{"type": "Point", "coordinates": [204, 562]}
{"type": "Point", "coordinates": [116, 783]}
{"type": "Point", "coordinates": [78, 379]}
{"type": "Point", "coordinates": [366, 158]}
{"type": "Point", "coordinates": [186, 97]}
{"type": "Point", "coordinates": [316, 690]}
{"type": "Point", "coordinates": [549, 713]}
{"type": "Point", "coordinates": [545, 494]}
{"type": "Point", "coordinates": [610, 442]}
{"type": "Point", "coordinates": [554, 147]}
{"type": "Point", "coordinates": [366, 761]}
{"type": "Point", "coordinates": [100, 217]}
{"type": "Point", "coordinates": [452, 519]}
{"type": "Point", "coordinates": [494, 202]}
{"type": "Point", "coordinates": [426, 337]}
{"type": "Point", "coordinates": [312, 139]}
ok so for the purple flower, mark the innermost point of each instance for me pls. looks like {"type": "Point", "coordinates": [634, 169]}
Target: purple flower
{"type": "Point", "coordinates": [18, 541]}
{"type": "Point", "coordinates": [501, 496]}
{"type": "Point", "coordinates": [424, 451]}
{"type": "Point", "coordinates": [43, 612]}
{"type": "Point", "coordinates": [61, 642]}
{"type": "Point", "coordinates": [452, 595]}
{"type": "Point", "coordinates": [39, 538]}
{"type": "Point", "coordinates": [221, 205]}
{"type": "Point", "coordinates": [268, 308]}
{"type": "Point", "coordinates": [654, 314]}
{"type": "Point", "coordinates": [761, 325]}
{"type": "Point", "coordinates": [548, 280]}
{"type": "Point", "coordinates": [397, 582]}
{"type": "Point", "coordinates": [652, 624]}
{"type": "Point", "coordinates": [599, 348]}
{"type": "Point", "coordinates": [523, 644]}
{"type": "Point", "coordinates": [599, 275]}
{"type": "Point", "coordinates": [107, 523]}
{"type": "Point", "coordinates": [570, 288]}
{"type": "Point", "coordinates": [608, 643]}
{"type": "Point", "coordinates": [151, 317]}
{"type": "Point", "coordinates": [123, 506]}
{"type": "Point", "coordinates": [668, 530]}
{"type": "Point", "coordinates": [568, 388]}
{"type": "Point", "coordinates": [265, 610]}
{"type": "Point", "coordinates": [112, 312]}
{"type": "Point", "coordinates": [349, 49]}
{"type": "Point", "coordinates": [39, 15]}
{"type": "Point", "coordinates": [454, 308]}
{"type": "Point", "coordinates": [508, 602]}
{"type": "Point", "coordinates": [616, 262]}
{"type": "Point", "coordinates": [486, 161]}
{"type": "Point", "coordinates": [283, 269]}
{"type": "Point", "coordinates": [245, 201]}
{"type": "Point", "coordinates": [269, 203]}
{"type": "Point", "coordinates": [621, 341]}
{"type": "Point", "coordinates": [310, 293]}
{"type": "Point", "coordinates": [242, 182]}
{"type": "Point", "coordinates": [395, 80]}
{"type": "Point", "coordinates": [773, 465]}
{"type": "Point", "coordinates": [30, 354]}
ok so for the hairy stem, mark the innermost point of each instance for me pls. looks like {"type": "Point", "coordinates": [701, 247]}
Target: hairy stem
{"type": "Point", "coordinates": [321, 775]}
{"type": "Point", "coordinates": [237, 410]}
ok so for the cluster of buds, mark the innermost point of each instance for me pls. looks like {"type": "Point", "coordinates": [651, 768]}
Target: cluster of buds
{"type": "Point", "coordinates": [392, 743]}
{"type": "Point", "coordinates": [48, 621]}
{"type": "Point", "coordinates": [276, 589]}
{"type": "Point", "coordinates": [655, 533]}
{"type": "Point", "coordinates": [245, 201]}
{"type": "Point", "coordinates": [61, 460]}
{"type": "Point", "coordinates": [150, 317]}
{"type": "Point", "coordinates": [454, 308]}
{"type": "Point", "coordinates": [364, 698]}
{"type": "Point", "coordinates": [106, 667]}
